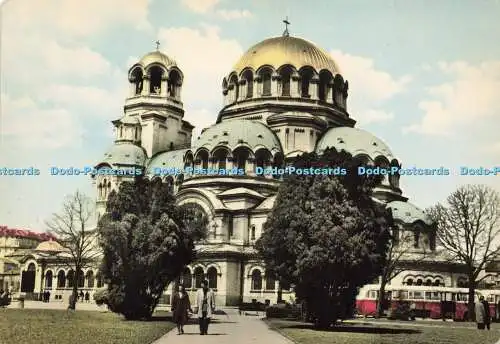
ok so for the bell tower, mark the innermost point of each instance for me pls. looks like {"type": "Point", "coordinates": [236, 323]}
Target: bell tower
{"type": "Point", "coordinates": [154, 99]}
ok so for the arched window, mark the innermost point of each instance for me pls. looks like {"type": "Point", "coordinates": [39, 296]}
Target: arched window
{"type": "Point", "coordinates": [270, 281]}
{"type": "Point", "coordinates": [420, 282]}
{"type": "Point", "coordinates": [266, 83]}
{"type": "Point", "coordinates": [187, 279]}
{"type": "Point", "coordinates": [256, 280]}
{"type": "Point", "coordinates": [99, 280]}
{"type": "Point", "coordinates": [248, 76]}
{"type": "Point", "coordinates": [241, 156]}
{"type": "Point", "coordinates": [170, 183]}
{"type": "Point", "coordinates": [121, 132]}
{"type": "Point", "coordinates": [220, 156]}
{"type": "Point", "coordinates": [81, 279]}
{"type": "Point", "coordinates": [212, 277]}
{"type": "Point", "coordinates": [305, 81]}
{"type": "Point", "coordinates": [437, 283]}
{"type": "Point", "coordinates": [252, 232]}
{"type": "Point", "coordinates": [409, 281]}
{"type": "Point", "coordinates": [262, 157]}
{"type": "Point", "coordinates": [136, 133]}
{"type": "Point", "coordinates": [234, 87]}
{"type": "Point", "coordinates": [48, 279]}
{"type": "Point", "coordinates": [90, 279]}
{"type": "Point", "coordinates": [325, 78]}
{"type": "Point", "coordinates": [71, 278]}
{"type": "Point", "coordinates": [99, 190]}
{"type": "Point", "coordinates": [202, 156]}
{"type": "Point", "coordinates": [61, 279]}
{"type": "Point", "coordinates": [428, 282]}
{"type": "Point", "coordinates": [137, 80]}
{"type": "Point", "coordinates": [174, 83]}
{"type": "Point", "coordinates": [155, 80]}
{"type": "Point", "coordinates": [108, 189]}
{"type": "Point", "coordinates": [285, 75]}
{"type": "Point", "coordinates": [199, 275]}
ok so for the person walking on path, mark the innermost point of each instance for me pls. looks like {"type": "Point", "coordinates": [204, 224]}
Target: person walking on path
{"type": "Point", "coordinates": [180, 307]}
{"type": "Point", "coordinates": [205, 306]}
{"type": "Point", "coordinates": [480, 313]}
{"type": "Point", "coordinates": [487, 318]}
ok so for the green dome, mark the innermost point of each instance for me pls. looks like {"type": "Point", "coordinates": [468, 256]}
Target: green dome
{"type": "Point", "coordinates": [234, 133]}
{"type": "Point", "coordinates": [408, 213]}
{"type": "Point", "coordinates": [170, 159]}
{"type": "Point", "coordinates": [355, 141]}
{"type": "Point", "coordinates": [125, 154]}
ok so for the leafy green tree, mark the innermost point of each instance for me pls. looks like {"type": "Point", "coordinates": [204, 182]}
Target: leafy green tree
{"type": "Point", "coordinates": [147, 241]}
{"type": "Point", "coordinates": [326, 235]}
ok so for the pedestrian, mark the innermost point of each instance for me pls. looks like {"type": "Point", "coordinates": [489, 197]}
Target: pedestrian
{"type": "Point", "coordinates": [180, 308]}
{"type": "Point", "coordinates": [487, 318]}
{"type": "Point", "coordinates": [205, 306]}
{"type": "Point", "coordinates": [87, 296]}
{"type": "Point", "coordinates": [81, 295]}
{"type": "Point", "coordinates": [480, 313]}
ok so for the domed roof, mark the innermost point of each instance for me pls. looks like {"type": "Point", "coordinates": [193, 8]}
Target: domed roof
{"type": "Point", "coordinates": [170, 159]}
{"type": "Point", "coordinates": [233, 133]}
{"type": "Point", "coordinates": [355, 141]}
{"type": "Point", "coordinates": [408, 213]}
{"type": "Point", "coordinates": [50, 246]}
{"type": "Point", "coordinates": [125, 154]}
{"type": "Point", "coordinates": [157, 57]}
{"type": "Point", "coordinates": [279, 51]}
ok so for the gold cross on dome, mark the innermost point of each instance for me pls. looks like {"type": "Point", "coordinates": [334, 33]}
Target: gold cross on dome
{"type": "Point", "coordinates": [157, 45]}
{"type": "Point", "coordinates": [286, 33]}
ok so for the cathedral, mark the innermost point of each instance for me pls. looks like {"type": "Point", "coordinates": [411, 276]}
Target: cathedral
{"type": "Point", "coordinates": [285, 96]}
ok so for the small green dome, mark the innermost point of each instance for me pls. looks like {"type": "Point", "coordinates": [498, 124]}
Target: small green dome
{"type": "Point", "coordinates": [408, 213]}
{"type": "Point", "coordinates": [234, 133]}
{"type": "Point", "coordinates": [125, 154]}
{"type": "Point", "coordinates": [355, 141]}
{"type": "Point", "coordinates": [170, 159]}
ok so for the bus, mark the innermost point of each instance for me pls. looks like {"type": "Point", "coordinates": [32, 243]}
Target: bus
{"type": "Point", "coordinates": [425, 301]}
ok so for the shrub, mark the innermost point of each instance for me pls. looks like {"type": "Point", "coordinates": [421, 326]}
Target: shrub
{"type": "Point", "coordinates": [283, 311]}
{"type": "Point", "coordinates": [101, 297]}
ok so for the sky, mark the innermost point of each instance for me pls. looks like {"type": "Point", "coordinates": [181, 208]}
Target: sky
{"type": "Point", "coordinates": [424, 76]}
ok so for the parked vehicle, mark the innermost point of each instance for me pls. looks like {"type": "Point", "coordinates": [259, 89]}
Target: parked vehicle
{"type": "Point", "coordinates": [424, 301]}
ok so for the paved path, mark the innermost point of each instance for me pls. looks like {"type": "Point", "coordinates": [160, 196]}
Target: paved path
{"type": "Point", "coordinates": [227, 329]}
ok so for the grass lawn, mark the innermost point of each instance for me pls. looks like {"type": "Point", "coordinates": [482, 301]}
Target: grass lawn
{"type": "Point", "coordinates": [36, 326]}
{"type": "Point", "coordinates": [371, 332]}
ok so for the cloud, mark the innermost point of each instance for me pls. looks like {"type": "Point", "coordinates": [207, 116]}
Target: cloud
{"type": "Point", "coordinates": [200, 6]}
{"type": "Point", "coordinates": [204, 61]}
{"type": "Point", "coordinates": [27, 126]}
{"type": "Point", "coordinates": [74, 18]}
{"type": "Point", "coordinates": [369, 87]}
{"type": "Point", "coordinates": [470, 96]}
{"type": "Point", "coordinates": [234, 14]}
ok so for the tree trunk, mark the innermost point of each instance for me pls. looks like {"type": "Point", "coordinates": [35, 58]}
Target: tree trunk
{"type": "Point", "coordinates": [381, 298]}
{"type": "Point", "coordinates": [280, 293]}
{"type": "Point", "coordinates": [74, 292]}
{"type": "Point", "coordinates": [471, 311]}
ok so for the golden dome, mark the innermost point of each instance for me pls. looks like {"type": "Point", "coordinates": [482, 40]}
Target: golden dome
{"type": "Point", "coordinates": [50, 246]}
{"type": "Point", "coordinates": [157, 57]}
{"type": "Point", "coordinates": [278, 51]}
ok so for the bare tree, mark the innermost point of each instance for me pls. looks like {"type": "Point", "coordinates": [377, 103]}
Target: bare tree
{"type": "Point", "coordinates": [401, 251]}
{"type": "Point", "coordinates": [469, 229]}
{"type": "Point", "coordinates": [70, 226]}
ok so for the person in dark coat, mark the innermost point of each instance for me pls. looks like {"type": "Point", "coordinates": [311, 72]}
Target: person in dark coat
{"type": "Point", "coordinates": [180, 307]}
{"type": "Point", "coordinates": [487, 317]}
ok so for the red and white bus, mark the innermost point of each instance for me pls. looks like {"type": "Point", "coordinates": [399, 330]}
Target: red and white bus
{"type": "Point", "coordinates": [426, 301]}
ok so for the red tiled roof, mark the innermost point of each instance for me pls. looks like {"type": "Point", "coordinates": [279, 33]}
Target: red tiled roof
{"type": "Point", "coordinates": [24, 233]}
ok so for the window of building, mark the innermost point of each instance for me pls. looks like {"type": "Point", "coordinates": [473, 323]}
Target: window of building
{"type": "Point", "coordinates": [212, 277]}
{"type": "Point", "coordinates": [198, 277]}
{"type": "Point", "coordinates": [187, 279]}
{"type": "Point", "coordinates": [266, 83]}
{"type": "Point", "coordinates": [256, 280]}
{"type": "Point", "coordinates": [252, 233]}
